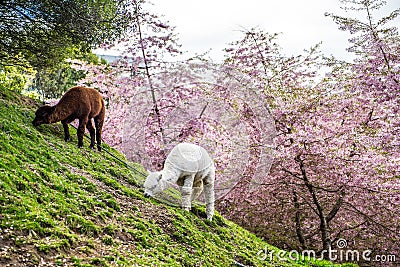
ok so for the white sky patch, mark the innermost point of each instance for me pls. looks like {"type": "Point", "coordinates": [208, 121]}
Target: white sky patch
{"type": "Point", "coordinates": [213, 24]}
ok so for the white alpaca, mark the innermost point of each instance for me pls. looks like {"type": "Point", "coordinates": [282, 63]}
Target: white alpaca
{"type": "Point", "coordinates": [192, 169]}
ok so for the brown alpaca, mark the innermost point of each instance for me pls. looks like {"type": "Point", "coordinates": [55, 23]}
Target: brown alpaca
{"type": "Point", "coordinates": [77, 103]}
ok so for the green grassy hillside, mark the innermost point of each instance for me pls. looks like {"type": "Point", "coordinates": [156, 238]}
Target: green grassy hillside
{"type": "Point", "coordinates": [64, 206]}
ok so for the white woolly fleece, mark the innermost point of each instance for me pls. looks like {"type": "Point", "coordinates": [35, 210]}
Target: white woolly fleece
{"type": "Point", "coordinates": [189, 158]}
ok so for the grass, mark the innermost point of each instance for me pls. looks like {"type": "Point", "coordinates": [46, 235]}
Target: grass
{"type": "Point", "coordinates": [64, 206]}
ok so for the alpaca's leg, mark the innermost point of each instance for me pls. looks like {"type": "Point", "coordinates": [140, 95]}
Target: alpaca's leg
{"type": "Point", "coordinates": [81, 130]}
{"type": "Point", "coordinates": [209, 193]}
{"type": "Point", "coordinates": [186, 192]}
{"type": "Point", "coordinates": [197, 189]}
{"type": "Point", "coordinates": [98, 122]}
{"type": "Point", "coordinates": [67, 137]}
{"type": "Point", "coordinates": [89, 126]}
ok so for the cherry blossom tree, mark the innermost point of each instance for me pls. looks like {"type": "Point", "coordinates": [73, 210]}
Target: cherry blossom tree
{"type": "Point", "coordinates": [336, 168]}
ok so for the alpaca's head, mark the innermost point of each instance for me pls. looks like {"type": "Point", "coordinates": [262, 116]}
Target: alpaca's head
{"type": "Point", "coordinates": [151, 183]}
{"type": "Point", "coordinates": [43, 115]}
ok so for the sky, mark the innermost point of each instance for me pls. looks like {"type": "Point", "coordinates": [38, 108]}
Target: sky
{"type": "Point", "coordinates": [213, 24]}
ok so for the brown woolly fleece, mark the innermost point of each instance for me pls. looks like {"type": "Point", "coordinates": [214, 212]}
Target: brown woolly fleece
{"type": "Point", "coordinates": [80, 103]}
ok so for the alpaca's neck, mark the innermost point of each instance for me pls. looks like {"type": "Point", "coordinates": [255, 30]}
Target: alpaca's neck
{"type": "Point", "coordinates": [60, 113]}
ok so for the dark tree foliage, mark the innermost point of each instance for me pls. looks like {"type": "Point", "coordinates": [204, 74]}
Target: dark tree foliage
{"type": "Point", "coordinates": [41, 33]}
